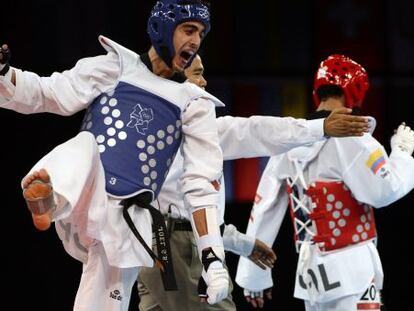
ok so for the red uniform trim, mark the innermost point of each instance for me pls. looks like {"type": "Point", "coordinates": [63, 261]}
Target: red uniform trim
{"type": "Point", "coordinates": [369, 306]}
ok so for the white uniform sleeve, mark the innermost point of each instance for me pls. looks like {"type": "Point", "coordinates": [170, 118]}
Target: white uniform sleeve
{"type": "Point", "coordinates": [62, 93]}
{"type": "Point", "coordinates": [372, 176]}
{"type": "Point", "coordinates": [260, 136]}
{"type": "Point", "coordinates": [237, 242]}
{"type": "Point", "coordinates": [203, 160]}
{"type": "Point", "coordinates": [264, 224]}
{"type": "Point", "coordinates": [203, 165]}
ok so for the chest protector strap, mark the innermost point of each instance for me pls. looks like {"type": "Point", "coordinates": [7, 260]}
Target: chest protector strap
{"type": "Point", "coordinates": [340, 220]}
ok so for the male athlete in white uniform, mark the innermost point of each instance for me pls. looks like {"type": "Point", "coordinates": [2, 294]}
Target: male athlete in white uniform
{"type": "Point", "coordinates": [137, 118]}
{"type": "Point", "coordinates": [331, 187]}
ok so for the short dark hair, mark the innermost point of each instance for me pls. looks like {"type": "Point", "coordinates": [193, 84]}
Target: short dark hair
{"type": "Point", "coordinates": [325, 92]}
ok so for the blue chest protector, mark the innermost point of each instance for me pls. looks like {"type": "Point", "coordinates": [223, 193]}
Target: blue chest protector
{"type": "Point", "coordinates": [138, 134]}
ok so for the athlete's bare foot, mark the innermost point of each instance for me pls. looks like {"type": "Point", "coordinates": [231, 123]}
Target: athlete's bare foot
{"type": "Point", "coordinates": [38, 194]}
{"type": "Point", "coordinates": [37, 185]}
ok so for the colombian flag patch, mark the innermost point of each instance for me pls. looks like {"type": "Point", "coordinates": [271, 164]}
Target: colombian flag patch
{"type": "Point", "coordinates": [375, 161]}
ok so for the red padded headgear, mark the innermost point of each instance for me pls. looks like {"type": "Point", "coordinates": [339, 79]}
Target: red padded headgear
{"type": "Point", "coordinates": [345, 73]}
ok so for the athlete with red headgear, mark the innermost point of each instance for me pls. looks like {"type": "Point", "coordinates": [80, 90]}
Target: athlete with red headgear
{"type": "Point", "coordinates": [330, 188]}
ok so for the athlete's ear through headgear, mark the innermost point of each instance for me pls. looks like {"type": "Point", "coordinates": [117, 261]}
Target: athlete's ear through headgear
{"type": "Point", "coordinates": [164, 18]}
{"type": "Point", "coordinates": [345, 73]}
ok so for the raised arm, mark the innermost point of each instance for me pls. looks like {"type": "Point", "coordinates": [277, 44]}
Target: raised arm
{"type": "Point", "coordinates": [62, 93]}
{"type": "Point", "coordinates": [260, 136]}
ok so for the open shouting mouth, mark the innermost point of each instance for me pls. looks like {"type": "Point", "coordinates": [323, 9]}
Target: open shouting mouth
{"type": "Point", "coordinates": [184, 57]}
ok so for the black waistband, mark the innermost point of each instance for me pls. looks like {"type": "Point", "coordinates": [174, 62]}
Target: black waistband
{"type": "Point", "coordinates": [180, 225]}
{"type": "Point", "coordinates": [174, 224]}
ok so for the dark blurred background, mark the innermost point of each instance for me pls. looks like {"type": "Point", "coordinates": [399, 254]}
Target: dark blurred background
{"type": "Point", "coordinates": [260, 58]}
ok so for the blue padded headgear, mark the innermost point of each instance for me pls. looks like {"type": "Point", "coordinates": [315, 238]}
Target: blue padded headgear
{"type": "Point", "coordinates": [164, 18]}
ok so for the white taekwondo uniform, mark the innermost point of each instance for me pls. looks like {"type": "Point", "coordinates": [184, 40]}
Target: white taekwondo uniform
{"type": "Point", "coordinates": [133, 127]}
{"type": "Point", "coordinates": [327, 273]}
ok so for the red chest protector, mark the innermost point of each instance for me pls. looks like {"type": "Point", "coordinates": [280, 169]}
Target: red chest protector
{"type": "Point", "coordinates": [338, 219]}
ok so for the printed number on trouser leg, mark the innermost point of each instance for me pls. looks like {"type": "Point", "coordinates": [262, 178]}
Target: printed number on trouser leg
{"type": "Point", "coordinates": [370, 299]}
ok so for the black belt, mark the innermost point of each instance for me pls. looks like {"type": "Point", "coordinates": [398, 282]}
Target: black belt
{"type": "Point", "coordinates": [184, 225]}
{"type": "Point", "coordinates": [163, 260]}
